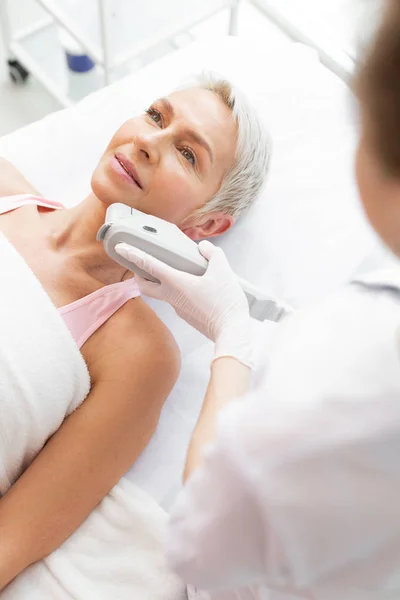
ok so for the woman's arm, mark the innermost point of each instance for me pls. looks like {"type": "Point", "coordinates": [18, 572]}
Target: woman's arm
{"type": "Point", "coordinates": [91, 451]}
{"type": "Point", "coordinates": [216, 305]}
{"type": "Point", "coordinates": [12, 181]}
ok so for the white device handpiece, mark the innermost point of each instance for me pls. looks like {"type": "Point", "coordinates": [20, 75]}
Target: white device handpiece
{"type": "Point", "coordinates": [166, 242]}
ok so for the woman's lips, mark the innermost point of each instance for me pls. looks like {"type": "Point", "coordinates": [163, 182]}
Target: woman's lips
{"type": "Point", "coordinates": [125, 169]}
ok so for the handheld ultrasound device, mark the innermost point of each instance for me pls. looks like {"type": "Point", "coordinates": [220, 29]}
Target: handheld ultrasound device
{"type": "Point", "coordinates": [166, 242]}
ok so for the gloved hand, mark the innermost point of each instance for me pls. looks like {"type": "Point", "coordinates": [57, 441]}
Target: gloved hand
{"type": "Point", "coordinates": [214, 304]}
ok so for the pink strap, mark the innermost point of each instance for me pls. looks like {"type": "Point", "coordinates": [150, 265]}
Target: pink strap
{"type": "Point", "coordinates": [84, 316]}
{"type": "Point", "coordinates": [9, 203]}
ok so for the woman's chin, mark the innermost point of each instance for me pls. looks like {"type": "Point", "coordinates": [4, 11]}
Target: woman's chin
{"type": "Point", "coordinates": [109, 192]}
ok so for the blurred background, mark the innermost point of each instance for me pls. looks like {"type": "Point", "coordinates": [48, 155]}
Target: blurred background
{"type": "Point", "coordinates": [55, 52]}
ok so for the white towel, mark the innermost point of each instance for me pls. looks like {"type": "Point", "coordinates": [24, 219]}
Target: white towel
{"type": "Point", "coordinates": [43, 377]}
{"type": "Point", "coordinates": [117, 553]}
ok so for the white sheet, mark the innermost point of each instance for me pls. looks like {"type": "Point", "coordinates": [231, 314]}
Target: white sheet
{"type": "Point", "coordinates": [305, 236]}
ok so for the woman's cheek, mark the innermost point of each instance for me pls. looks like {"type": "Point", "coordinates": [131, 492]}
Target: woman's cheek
{"type": "Point", "coordinates": [176, 197]}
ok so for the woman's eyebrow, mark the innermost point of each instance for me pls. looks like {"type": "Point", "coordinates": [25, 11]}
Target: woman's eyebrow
{"type": "Point", "coordinates": [167, 106]}
{"type": "Point", "coordinates": [199, 139]}
{"type": "Point", "coordinates": [190, 133]}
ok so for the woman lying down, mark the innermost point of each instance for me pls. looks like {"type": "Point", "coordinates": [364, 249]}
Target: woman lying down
{"type": "Point", "coordinates": [198, 159]}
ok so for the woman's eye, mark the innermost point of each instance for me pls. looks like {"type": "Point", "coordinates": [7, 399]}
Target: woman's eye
{"type": "Point", "coordinates": [188, 154]}
{"type": "Point", "coordinates": [155, 115]}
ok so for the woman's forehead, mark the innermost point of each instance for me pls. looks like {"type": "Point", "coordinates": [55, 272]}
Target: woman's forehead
{"type": "Point", "coordinates": [204, 112]}
{"type": "Point", "coordinates": [201, 105]}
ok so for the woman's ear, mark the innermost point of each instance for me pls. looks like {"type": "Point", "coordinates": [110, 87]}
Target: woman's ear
{"type": "Point", "coordinates": [207, 226]}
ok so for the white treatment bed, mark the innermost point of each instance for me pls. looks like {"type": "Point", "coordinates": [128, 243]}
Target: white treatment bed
{"type": "Point", "coordinates": [305, 236]}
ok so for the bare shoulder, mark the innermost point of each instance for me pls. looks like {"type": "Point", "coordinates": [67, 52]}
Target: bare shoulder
{"type": "Point", "coordinates": [12, 181]}
{"type": "Point", "coordinates": [136, 344]}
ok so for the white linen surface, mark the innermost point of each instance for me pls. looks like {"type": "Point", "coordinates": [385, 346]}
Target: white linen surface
{"type": "Point", "coordinates": [305, 236]}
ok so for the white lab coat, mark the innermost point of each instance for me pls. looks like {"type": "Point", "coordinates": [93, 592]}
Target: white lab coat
{"type": "Point", "coordinates": [300, 492]}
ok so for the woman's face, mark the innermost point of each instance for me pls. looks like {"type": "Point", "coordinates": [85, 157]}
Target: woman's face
{"type": "Point", "coordinates": [379, 192]}
{"type": "Point", "coordinates": [171, 160]}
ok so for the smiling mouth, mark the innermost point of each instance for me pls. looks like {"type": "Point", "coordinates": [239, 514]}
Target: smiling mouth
{"type": "Point", "coordinates": [126, 169]}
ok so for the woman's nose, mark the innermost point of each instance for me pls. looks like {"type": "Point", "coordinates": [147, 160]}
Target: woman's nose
{"type": "Point", "coordinates": [149, 147]}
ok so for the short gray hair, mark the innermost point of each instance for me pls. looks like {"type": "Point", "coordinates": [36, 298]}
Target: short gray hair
{"type": "Point", "coordinates": [244, 180]}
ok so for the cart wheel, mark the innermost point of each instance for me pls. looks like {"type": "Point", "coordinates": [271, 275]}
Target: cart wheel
{"type": "Point", "coordinates": [18, 73]}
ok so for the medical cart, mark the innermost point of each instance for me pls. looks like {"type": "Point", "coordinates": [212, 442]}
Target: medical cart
{"type": "Point", "coordinates": [116, 35]}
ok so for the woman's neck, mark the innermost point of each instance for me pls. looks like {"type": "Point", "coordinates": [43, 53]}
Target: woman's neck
{"type": "Point", "coordinates": [73, 231]}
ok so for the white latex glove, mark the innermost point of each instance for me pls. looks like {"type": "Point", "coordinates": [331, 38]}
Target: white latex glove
{"type": "Point", "coordinates": [214, 303]}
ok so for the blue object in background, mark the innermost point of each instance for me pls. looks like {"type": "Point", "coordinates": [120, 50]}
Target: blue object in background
{"type": "Point", "coordinates": [80, 63]}
{"type": "Point", "coordinates": [77, 60]}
